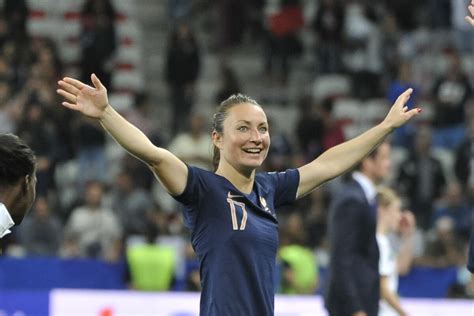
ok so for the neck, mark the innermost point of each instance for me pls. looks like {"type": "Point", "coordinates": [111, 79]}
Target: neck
{"type": "Point", "coordinates": [382, 228]}
{"type": "Point", "coordinates": [242, 180]}
{"type": "Point", "coordinates": [9, 197]}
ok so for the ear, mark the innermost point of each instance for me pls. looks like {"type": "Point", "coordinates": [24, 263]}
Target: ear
{"type": "Point", "coordinates": [216, 139]}
{"type": "Point", "coordinates": [25, 182]}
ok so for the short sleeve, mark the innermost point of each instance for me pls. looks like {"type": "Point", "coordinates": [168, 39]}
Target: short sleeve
{"type": "Point", "coordinates": [286, 186]}
{"type": "Point", "coordinates": [385, 266]}
{"type": "Point", "coordinates": [190, 197]}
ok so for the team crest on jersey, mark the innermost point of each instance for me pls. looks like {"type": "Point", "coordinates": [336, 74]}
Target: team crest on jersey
{"type": "Point", "coordinates": [263, 202]}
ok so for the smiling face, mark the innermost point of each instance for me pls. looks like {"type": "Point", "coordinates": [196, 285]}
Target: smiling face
{"type": "Point", "coordinates": [245, 140]}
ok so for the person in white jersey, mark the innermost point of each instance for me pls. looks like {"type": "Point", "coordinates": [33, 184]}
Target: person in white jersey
{"type": "Point", "coordinates": [393, 260]}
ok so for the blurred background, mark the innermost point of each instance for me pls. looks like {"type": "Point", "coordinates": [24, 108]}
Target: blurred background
{"type": "Point", "coordinates": [324, 71]}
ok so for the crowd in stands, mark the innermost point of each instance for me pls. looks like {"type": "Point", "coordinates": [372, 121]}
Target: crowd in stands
{"type": "Point", "coordinates": [111, 206]}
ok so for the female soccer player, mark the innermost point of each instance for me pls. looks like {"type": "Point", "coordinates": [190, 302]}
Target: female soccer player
{"type": "Point", "coordinates": [231, 212]}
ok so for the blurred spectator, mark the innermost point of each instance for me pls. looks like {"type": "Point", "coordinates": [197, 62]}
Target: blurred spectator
{"type": "Point", "coordinates": [455, 207]}
{"type": "Point", "coordinates": [131, 204]}
{"type": "Point", "coordinates": [89, 139]}
{"type": "Point", "coordinates": [421, 178]}
{"type": "Point", "coordinates": [15, 12]}
{"type": "Point", "coordinates": [92, 230]}
{"type": "Point", "coordinates": [151, 266]}
{"type": "Point", "coordinates": [299, 270]}
{"type": "Point", "coordinates": [231, 22]}
{"type": "Point", "coordinates": [333, 133]}
{"type": "Point", "coordinates": [40, 233]}
{"type": "Point", "coordinates": [403, 136]}
{"type": "Point", "coordinates": [439, 14]}
{"type": "Point", "coordinates": [390, 54]}
{"type": "Point", "coordinates": [443, 248]}
{"type": "Point", "coordinates": [8, 117]}
{"type": "Point", "coordinates": [363, 53]}
{"type": "Point", "coordinates": [183, 63]}
{"type": "Point", "coordinates": [192, 278]}
{"type": "Point", "coordinates": [451, 91]}
{"type": "Point", "coordinates": [98, 40]}
{"type": "Point", "coordinates": [179, 10]}
{"type": "Point", "coordinates": [194, 147]}
{"type": "Point", "coordinates": [284, 19]}
{"type": "Point", "coordinates": [309, 129]}
{"type": "Point", "coordinates": [141, 116]}
{"type": "Point", "coordinates": [328, 26]}
{"type": "Point", "coordinates": [280, 153]}
{"type": "Point", "coordinates": [38, 132]}
{"type": "Point", "coordinates": [142, 176]}
{"type": "Point", "coordinates": [228, 83]}
{"type": "Point", "coordinates": [315, 221]}
{"type": "Point", "coordinates": [464, 161]}
{"type": "Point", "coordinates": [293, 231]}
{"type": "Point", "coordinates": [406, 12]}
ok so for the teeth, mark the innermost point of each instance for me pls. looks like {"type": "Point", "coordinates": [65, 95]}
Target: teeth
{"type": "Point", "coordinates": [253, 150]}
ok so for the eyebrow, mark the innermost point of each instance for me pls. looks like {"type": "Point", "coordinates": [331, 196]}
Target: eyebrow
{"type": "Point", "coordinates": [250, 123]}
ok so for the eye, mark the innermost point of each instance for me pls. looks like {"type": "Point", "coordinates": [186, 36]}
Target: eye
{"type": "Point", "coordinates": [243, 128]}
{"type": "Point", "coordinates": [263, 129]}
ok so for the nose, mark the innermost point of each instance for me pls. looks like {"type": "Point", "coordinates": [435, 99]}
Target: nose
{"type": "Point", "coordinates": [255, 136]}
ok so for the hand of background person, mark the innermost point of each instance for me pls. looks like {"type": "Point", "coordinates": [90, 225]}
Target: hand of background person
{"type": "Point", "coordinates": [90, 101]}
{"type": "Point", "coordinates": [470, 19]}
{"type": "Point", "coordinates": [407, 224]}
{"type": "Point", "coordinates": [360, 313]}
{"type": "Point", "coordinates": [399, 114]}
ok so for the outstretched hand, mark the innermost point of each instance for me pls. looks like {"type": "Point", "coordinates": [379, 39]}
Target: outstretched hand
{"type": "Point", "coordinates": [90, 101]}
{"type": "Point", "coordinates": [470, 19]}
{"type": "Point", "coordinates": [399, 114]}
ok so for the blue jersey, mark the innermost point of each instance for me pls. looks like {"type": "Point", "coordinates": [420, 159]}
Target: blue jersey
{"type": "Point", "coordinates": [235, 237]}
{"type": "Point", "coordinates": [470, 259]}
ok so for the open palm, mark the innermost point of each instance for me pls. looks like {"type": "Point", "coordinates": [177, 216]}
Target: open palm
{"type": "Point", "coordinates": [90, 101]}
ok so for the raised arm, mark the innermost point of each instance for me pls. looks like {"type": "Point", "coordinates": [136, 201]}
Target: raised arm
{"type": "Point", "coordinates": [339, 159]}
{"type": "Point", "coordinates": [93, 102]}
{"type": "Point", "coordinates": [470, 19]}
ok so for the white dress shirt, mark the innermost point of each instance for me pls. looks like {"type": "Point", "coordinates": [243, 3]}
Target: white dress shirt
{"type": "Point", "coordinates": [367, 185]}
{"type": "Point", "coordinates": [6, 221]}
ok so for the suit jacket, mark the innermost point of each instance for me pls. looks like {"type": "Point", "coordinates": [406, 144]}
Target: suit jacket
{"type": "Point", "coordinates": [353, 276]}
{"type": "Point", "coordinates": [470, 259]}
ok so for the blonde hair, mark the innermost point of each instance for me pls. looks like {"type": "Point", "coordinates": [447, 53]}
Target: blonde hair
{"type": "Point", "coordinates": [386, 196]}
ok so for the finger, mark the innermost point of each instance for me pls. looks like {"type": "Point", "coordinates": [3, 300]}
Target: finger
{"type": "Point", "coordinates": [96, 82]}
{"type": "Point", "coordinates": [70, 105]}
{"type": "Point", "coordinates": [68, 96]}
{"type": "Point", "coordinates": [68, 87]}
{"type": "Point", "coordinates": [76, 83]}
{"type": "Point", "coordinates": [405, 95]}
{"type": "Point", "coordinates": [413, 112]}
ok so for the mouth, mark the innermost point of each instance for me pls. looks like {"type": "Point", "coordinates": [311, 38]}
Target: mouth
{"type": "Point", "coordinates": [253, 151]}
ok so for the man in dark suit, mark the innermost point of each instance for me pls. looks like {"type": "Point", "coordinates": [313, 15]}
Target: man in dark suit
{"type": "Point", "coordinates": [353, 279]}
{"type": "Point", "coordinates": [470, 262]}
